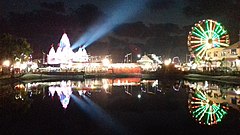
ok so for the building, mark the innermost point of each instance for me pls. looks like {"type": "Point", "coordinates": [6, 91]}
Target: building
{"type": "Point", "coordinates": [64, 56]}
{"type": "Point", "coordinates": [225, 57]}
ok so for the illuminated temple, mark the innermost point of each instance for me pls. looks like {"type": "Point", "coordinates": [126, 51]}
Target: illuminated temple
{"type": "Point", "coordinates": [64, 53]}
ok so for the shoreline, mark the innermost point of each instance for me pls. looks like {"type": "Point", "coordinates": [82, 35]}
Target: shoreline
{"type": "Point", "coordinates": [51, 76]}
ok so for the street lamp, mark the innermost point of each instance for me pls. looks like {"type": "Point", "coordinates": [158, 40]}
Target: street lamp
{"type": "Point", "coordinates": [106, 62]}
{"type": "Point", "coordinates": [6, 66]}
{"type": "Point", "coordinates": [6, 63]}
{"type": "Point", "coordinates": [167, 62]}
{"type": "Point", "coordinates": [139, 55]}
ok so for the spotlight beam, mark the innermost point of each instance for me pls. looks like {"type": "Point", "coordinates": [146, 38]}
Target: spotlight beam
{"type": "Point", "coordinates": [98, 114]}
{"type": "Point", "coordinates": [120, 13]}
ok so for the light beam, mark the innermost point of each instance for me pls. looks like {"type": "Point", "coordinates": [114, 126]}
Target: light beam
{"type": "Point", "coordinates": [97, 114]}
{"type": "Point", "coordinates": [119, 14]}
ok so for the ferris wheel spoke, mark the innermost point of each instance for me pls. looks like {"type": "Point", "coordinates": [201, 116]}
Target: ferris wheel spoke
{"type": "Point", "coordinates": [199, 48]}
{"type": "Point", "coordinates": [218, 26]}
{"type": "Point", "coordinates": [209, 115]}
{"type": "Point", "coordinates": [223, 32]}
{"type": "Point", "coordinates": [204, 52]}
{"type": "Point", "coordinates": [222, 44]}
{"type": "Point", "coordinates": [214, 119]}
{"type": "Point", "coordinates": [202, 95]}
{"type": "Point", "coordinates": [199, 102]}
{"type": "Point", "coordinates": [220, 30]}
{"type": "Point", "coordinates": [218, 118]}
{"type": "Point", "coordinates": [196, 34]}
{"type": "Point", "coordinates": [210, 28]}
{"type": "Point", "coordinates": [213, 116]}
{"type": "Point", "coordinates": [204, 111]}
{"type": "Point", "coordinates": [196, 98]}
{"type": "Point", "coordinates": [215, 35]}
{"type": "Point", "coordinates": [214, 26]}
{"type": "Point", "coordinates": [202, 107]}
{"type": "Point", "coordinates": [199, 53]}
{"type": "Point", "coordinates": [224, 36]}
{"type": "Point", "coordinates": [222, 41]}
{"type": "Point", "coordinates": [196, 41]}
{"type": "Point", "coordinates": [197, 45]}
{"type": "Point", "coordinates": [193, 107]}
{"type": "Point", "coordinates": [201, 28]}
{"type": "Point", "coordinates": [207, 26]}
{"type": "Point", "coordinates": [216, 45]}
{"type": "Point", "coordinates": [201, 33]}
{"type": "Point", "coordinates": [194, 37]}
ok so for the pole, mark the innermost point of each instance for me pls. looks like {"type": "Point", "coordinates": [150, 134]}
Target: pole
{"type": "Point", "coordinates": [186, 58]}
{"type": "Point", "coordinates": [131, 57]}
{"type": "Point", "coordinates": [43, 57]}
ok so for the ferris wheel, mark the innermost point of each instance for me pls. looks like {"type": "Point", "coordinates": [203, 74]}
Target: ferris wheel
{"type": "Point", "coordinates": [204, 110]}
{"type": "Point", "coordinates": [207, 34]}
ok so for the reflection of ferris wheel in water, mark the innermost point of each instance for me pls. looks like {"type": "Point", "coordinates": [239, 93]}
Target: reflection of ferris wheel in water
{"type": "Point", "coordinates": [207, 34]}
{"type": "Point", "coordinates": [204, 110]}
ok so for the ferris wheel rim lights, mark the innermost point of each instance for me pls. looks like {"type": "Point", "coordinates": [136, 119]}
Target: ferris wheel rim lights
{"type": "Point", "coordinates": [207, 34]}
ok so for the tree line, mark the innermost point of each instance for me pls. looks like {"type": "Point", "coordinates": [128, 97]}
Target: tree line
{"type": "Point", "coordinates": [14, 48]}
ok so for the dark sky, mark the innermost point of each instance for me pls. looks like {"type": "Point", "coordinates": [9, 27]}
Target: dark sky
{"type": "Point", "coordinates": [161, 11]}
{"type": "Point", "coordinates": [160, 27]}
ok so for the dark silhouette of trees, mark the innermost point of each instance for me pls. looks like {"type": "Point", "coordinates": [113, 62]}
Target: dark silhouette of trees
{"type": "Point", "coordinates": [12, 47]}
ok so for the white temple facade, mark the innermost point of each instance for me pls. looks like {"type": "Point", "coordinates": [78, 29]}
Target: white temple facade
{"type": "Point", "coordinates": [64, 53]}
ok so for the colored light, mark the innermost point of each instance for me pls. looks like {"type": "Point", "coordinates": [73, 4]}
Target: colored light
{"type": "Point", "coordinates": [205, 35]}
{"type": "Point", "coordinates": [206, 111]}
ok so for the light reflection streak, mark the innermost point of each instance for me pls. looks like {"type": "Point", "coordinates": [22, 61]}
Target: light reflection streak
{"type": "Point", "coordinates": [97, 114]}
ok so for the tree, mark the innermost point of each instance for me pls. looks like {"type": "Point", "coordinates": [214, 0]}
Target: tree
{"type": "Point", "coordinates": [12, 47]}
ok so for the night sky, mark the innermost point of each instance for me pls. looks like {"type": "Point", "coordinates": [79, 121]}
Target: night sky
{"type": "Point", "coordinates": [156, 26]}
{"type": "Point", "coordinates": [161, 11]}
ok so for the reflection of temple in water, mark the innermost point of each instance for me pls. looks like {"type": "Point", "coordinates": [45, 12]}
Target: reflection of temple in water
{"type": "Point", "coordinates": [64, 89]}
{"type": "Point", "coordinates": [131, 86]}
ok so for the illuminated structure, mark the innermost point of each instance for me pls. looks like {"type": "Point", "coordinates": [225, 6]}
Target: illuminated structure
{"type": "Point", "coordinates": [205, 35]}
{"type": "Point", "coordinates": [64, 53]}
{"type": "Point", "coordinates": [145, 62]}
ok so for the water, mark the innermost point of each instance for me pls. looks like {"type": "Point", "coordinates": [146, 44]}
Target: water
{"type": "Point", "coordinates": [119, 106]}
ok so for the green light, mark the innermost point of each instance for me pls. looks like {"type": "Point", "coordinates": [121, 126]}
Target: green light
{"type": "Point", "coordinates": [202, 34]}
{"type": "Point", "coordinates": [215, 35]}
{"type": "Point", "coordinates": [206, 111]}
{"type": "Point", "coordinates": [199, 48]}
{"type": "Point", "coordinates": [223, 32]}
{"type": "Point", "coordinates": [207, 25]}
{"type": "Point", "coordinates": [196, 34]}
{"type": "Point", "coordinates": [205, 30]}
{"type": "Point", "coordinates": [219, 29]}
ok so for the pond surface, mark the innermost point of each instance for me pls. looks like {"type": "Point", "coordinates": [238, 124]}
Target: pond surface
{"type": "Point", "coordinates": [119, 106]}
